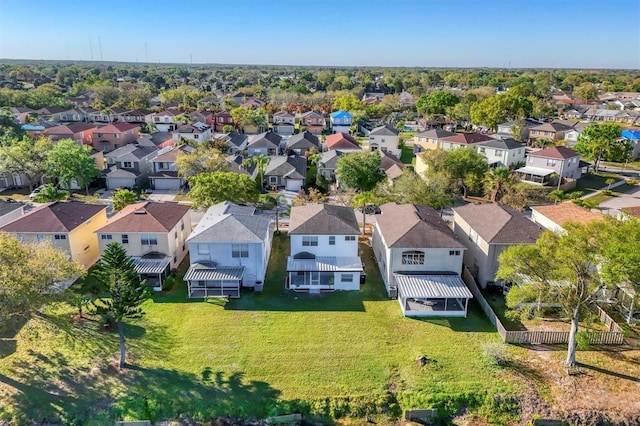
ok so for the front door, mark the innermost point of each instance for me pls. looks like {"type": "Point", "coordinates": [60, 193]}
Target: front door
{"type": "Point", "coordinates": [315, 278]}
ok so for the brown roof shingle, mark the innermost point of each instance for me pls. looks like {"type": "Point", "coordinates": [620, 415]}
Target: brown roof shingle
{"type": "Point", "coordinates": [559, 152]}
{"type": "Point", "coordinates": [467, 138]}
{"type": "Point", "coordinates": [146, 217]}
{"type": "Point", "coordinates": [568, 212]}
{"type": "Point", "coordinates": [499, 224]}
{"type": "Point", "coordinates": [54, 217]}
{"type": "Point", "coordinates": [415, 226]}
{"type": "Point", "coordinates": [323, 219]}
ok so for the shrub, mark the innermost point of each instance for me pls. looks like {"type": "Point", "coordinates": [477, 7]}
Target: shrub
{"type": "Point", "coordinates": [495, 353]}
{"type": "Point", "coordinates": [632, 182]}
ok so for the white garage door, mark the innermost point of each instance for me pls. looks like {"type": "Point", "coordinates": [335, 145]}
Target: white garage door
{"type": "Point", "coordinates": [166, 183]}
{"type": "Point", "coordinates": [293, 184]}
{"type": "Point", "coordinates": [113, 183]}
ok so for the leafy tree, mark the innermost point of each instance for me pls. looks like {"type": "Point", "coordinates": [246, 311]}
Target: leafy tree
{"type": "Point", "coordinates": [205, 159]}
{"type": "Point", "coordinates": [466, 167]}
{"type": "Point", "coordinates": [26, 157]}
{"type": "Point", "coordinates": [558, 268]}
{"type": "Point", "coordinates": [10, 129]}
{"type": "Point", "coordinates": [437, 102]}
{"type": "Point", "coordinates": [410, 188]}
{"type": "Point", "coordinates": [360, 170]}
{"type": "Point", "coordinates": [50, 193]}
{"type": "Point", "coordinates": [586, 91]}
{"type": "Point", "coordinates": [557, 195]}
{"type": "Point", "coordinates": [497, 181]}
{"type": "Point", "coordinates": [69, 161]}
{"type": "Point", "coordinates": [208, 189]}
{"type": "Point", "coordinates": [122, 198]}
{"type": "Point", "coordinates": [518, 131]}
{"type": "Point", "coordinates": [116, 271]}
{"type": "Point", "coordinates": [500, 108]}
{"type": "Point", "coordinates": [348, 102]}
{"type": "Point", "coordinates": [27, 271]}
{"type": "Point", "coordinates": [600, 142]}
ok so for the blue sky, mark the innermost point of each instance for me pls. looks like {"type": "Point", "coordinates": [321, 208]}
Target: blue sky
{"type": "Point", "coordinates": [428, 33]}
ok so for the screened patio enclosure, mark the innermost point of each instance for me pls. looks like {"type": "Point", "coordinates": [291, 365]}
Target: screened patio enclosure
{"type": "Point", "coordinates": [422, 295]}
{"type": "Point", "coordinates": [534, 175]}
{"type": "Point", "coordinates": [207, 279]}
{"type": "Point", "coordinates": [152, 267]}
{"type": "Point", "coordinates": [306, 272]}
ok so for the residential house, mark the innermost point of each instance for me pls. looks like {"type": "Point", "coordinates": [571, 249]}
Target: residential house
{"type": "Point", "coordinates": [429, 139]}
{"type": "Point", "coordinates": [267, 143]}
{"type": "Point", "coordinates": [487, 230]}
{"type": "Point", "coordinates": [286, 172]}
{"type": "Point", "coordinates": [253, 103]}
{"type": "Point", "coordinates": [543, 163]}
{"type": "Point", "coordinates": [385, 138]}
{"type": "Point", "coordinates": [10, 210]}
{"type": "Point", "coordinates": [21, 114]}
{"type": "Point", "coordinates": [83, 99]}
{"type": "Point", "coordinates": [571, 136]}
{"type": "Point", "coordinates": [68, 226]}
{"type": "Point", "coordinates": [229, 249]}
{"type": "Point", "coordinates": [342, 142]}
{"type": "Point", "coordinates": [165, 121]}
{"type": "Point", "coordinates": [328, 164]}
{"type": "Point", "coordinates": [165, 172]}
{"type": "Point", "coordinates": [314, 122]}
{"type": "Point", "coordinates": [71, 116]}
{"type": "Point", "coordinates": [196, 132]}
{"type": "Point", "coordinates": [221, 119]}
{"type": "Point", "coordinates": [48, 113]}
{"type": "Point", "coordinates": [555, 217]}
{"type": "Point", "coordinates": [157, 140]}
{"type": "Point", "coordinates": [283, 123]}
{"type": "Point", "coordinates": [324, 249]}
{"type": "Point", "coordinates": [81, 133]}
{"type": "Point", "coordinates": [130, 166]}
{"type": "Point", "coordinates": [633, 136]}
{"type": "Point", "coordinates": [550, 131]}
{"type": "Point", "coordinates": [462, 140]}
{"type": "Point", "coordinates": [420, 259]}
{"type": "Point", "coordinates": [506, 152]}
{"type": "Point", "coordinates": [527, 123]}
{"type": "Point", "coordinates": [391, 165]}
{"type": "Point", "coordinates": [154, 234]}
{"type": "Point", "coordinates": [114, 136]}
{"type": "Point", "coordinates": [301, 143]}
{"type": "Point", "coordinates": [372, 97]}
{"type": "Point", "coordinates": [406, 99]}
{"type": "Point", "coordinates": [36, 129]}
{"type": "Point", "coordinates": [205, 117]}
{"type": "Point", "coordinates": [340, 122]}
{"type": "Point", "coordinates": [236, 142]}
{"type": "Point", "coordinates": [136, 116]}
{"type": "Point", "coordinates": [99, 116]}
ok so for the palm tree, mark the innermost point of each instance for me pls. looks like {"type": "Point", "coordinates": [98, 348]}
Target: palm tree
{"type": "Point", "coordinates": [361, 200]}
{"type": "Point", "coordinates": [277, 199]}
{"type": "Point", "coordinates": [50, 193]}
{"type": "Point", "coordinates": [496, 182]}
{"type": "Point", "coordinates": [260, 161]}
{"type": "Point", "coordinates": [557, 195]}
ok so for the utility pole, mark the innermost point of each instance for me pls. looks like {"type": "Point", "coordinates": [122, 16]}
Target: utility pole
{"type": "Point", "coordinates": [146, 53]}
{"type": "Point", "coordinates": [91, 48]}
{"type": "Point", "coordinates": [100, 46]}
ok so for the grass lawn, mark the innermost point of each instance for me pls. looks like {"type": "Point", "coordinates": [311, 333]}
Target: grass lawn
{"type": "Point", "coordinates": [407, 156]}
{"type": "Point", "coordinates": [603, 196]}
{"type": "Point", "coordinates": [275, 352]}
{"type": "Point", "coordinates": [595, 181]}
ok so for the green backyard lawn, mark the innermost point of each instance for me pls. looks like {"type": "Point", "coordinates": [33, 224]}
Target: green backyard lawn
{"type": "Point", "coordinates": [261, 354]}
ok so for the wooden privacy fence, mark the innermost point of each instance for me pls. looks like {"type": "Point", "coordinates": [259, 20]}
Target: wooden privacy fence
{"type": "Point", "coordinates": [614, 336]}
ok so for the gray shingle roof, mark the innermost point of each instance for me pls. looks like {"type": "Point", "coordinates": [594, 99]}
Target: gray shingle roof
{"type": "Point", "coordinates": [227, 222]}
{"type": "Point", "coordinates": [7, 207]}
{"type": "Point", "coordinates": [499, 224]}
{"type": "Point", "coordinates": [506, 143]}
{"type": "Point", "coordinates": [435, 134]}
{"type": "Point", "coordinates": [303, 140]}
{"type": "Point", "coordinates": [265, 140]}
{"type": "Point", "coordinates": [385, 130]}
{"type": "Point", "coordinates": [415, 226]}
{"type": "Point", "coordinates": [293, 167]}
{"type": "Point", "coordinates": [323, 219]}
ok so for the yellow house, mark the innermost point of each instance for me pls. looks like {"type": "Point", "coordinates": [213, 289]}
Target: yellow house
{"type": "Point", "coordinates": [69, 226]}
{"type": "Point", "coordinates": [429, 139]}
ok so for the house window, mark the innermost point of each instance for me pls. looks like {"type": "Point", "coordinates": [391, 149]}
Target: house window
{"type": "Point", "coordinates": [196, 136]}
{"type": "Point", "coordinates": [482, 150]}
{"type": "Point", "coordinates": [531, 159]}
{"type": "Point", "coordinates": [454, 252]}
{"type": "Point", "coordinates": [175, 234]}
{"type": "Point", "coordinates": [273, 180]}
{"type": "Point", "coordinates": [148, 239]}
{"type": "Point", "coordinates": [127, 164]}
{"type": "Point", "coordinates": [413, 258]}
{"type": "Point", "coordinates": [203, 249]}
{"type": "Point", "coordinates": [125, 238]}
{"type": "Point", "coordinates": [551, 163]}
{"type": "Point", "coordinates": [498, 152]}
{"type": "Point", "coordinates": [59, 237]}
{"type": "Point", "coordinates": [39, 238]}
{"type": "Point", "coordinates": [116, 136]}
{"type": "Point", "coordinates": [21, 237]}
{"type": "Point", "coordinates": [346, 278]}
{"type": "Point", "coordinates": [240, 250]}
{"type": "Point", "coordinates": [308, 241]}
{"type": "Point", "coordinates": [106, 237]}
{"type": "Point", "coordinates": [332, 240]}
{"type": "Point", "coordinates": [182, 225]}
{"type": "Point", "coordinates": [350, 238]}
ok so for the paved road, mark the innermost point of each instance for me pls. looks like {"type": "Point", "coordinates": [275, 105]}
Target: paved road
{"type": "Point", "coordinates": [628, 199]}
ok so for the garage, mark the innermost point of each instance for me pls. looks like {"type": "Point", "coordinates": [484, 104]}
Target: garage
{"type": "Point", "coordinates": [120, 178]}
{"type": "Point", "coordinates": [293, 184]}
{"type": "Point", "coordinates": [166, 183]}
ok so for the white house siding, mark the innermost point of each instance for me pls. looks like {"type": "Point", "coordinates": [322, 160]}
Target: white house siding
{"type": "Point", "coordinates": [258, 151]}
{"type": "Point", "coordinates": [504, 156]}
{"type": "Point", "coordinates": [338, 128]}
{"type": "Point", "coordinates": [220, 253]}
{"type": "Point", "coordinates": [353, 285]}
{"type": "Point", "coordinates": [166, 183]}
{"type": "Point", "coordinates": [342, 248]}
{"type": "Point", "coordinates": [11, 216]}
{"type": "Point", "coordinates": [544, 221]}
{"type": "Point", "coordinates": [570, 169]}
{"type": "Point", "coordinates": [113, 183]}
{"type": "Point", "coordinates": [386, 143]}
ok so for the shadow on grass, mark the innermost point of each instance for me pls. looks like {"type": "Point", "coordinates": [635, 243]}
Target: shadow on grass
{"type": "Point", "coordinates": [608, 372]}
{"type": "Point", "coordinates": [475, 322]}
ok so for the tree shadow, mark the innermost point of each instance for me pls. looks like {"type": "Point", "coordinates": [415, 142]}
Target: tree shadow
{"type": "Point", "coordinates": [476, 321]}
{"type": "Point", "coordinates": [608, 372]}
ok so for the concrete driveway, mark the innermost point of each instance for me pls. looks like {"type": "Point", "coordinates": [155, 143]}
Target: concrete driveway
{"type": "Point", "coordinates": [162, 194]}
{"type": "Point", "coordinates": [630, 198]}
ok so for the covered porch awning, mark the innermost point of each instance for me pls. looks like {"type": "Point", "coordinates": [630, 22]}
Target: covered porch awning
{"type": "Point", "coordinates": [424, 295]}
{"type": "Point", "coordinates": [535, 174]}
{"type": "Point", "coordinates": [152, 268]}
{"type": "Point", "coordinates": [325, 264]}
{"type": "Point", "coordinates": [206, 279]}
